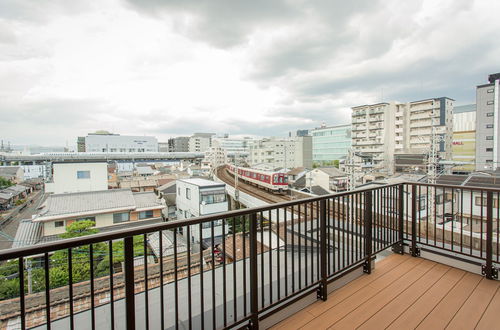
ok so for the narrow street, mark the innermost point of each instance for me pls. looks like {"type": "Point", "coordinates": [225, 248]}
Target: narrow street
{"type": "Point", "coordinates": [9, 228]}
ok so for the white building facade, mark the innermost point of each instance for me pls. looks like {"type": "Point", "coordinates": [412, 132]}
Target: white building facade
{"type": "Point", "coordinates": [73, 177]}
{"type": "Point", "coordinates": [120, 143]}
{"type": "Point", "coordinates": [198, 197]}
{"type": "Point", "coordinates": [200, 142]}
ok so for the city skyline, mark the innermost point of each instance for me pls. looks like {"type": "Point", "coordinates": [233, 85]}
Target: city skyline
{"type": "Point", "coordinates": [262, 69]}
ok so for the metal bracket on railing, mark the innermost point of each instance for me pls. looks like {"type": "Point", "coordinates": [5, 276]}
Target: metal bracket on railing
{"type": "Point", "coordinates": [494, 272]}
{"type": "Point", "coordinates": [398, 248]}
{"type": "Point", "coordinates": [367, 267]}
{"type": "Point", "coordinates": [415, 252]}
{"type": "Point", "coordinates": [321, 292]}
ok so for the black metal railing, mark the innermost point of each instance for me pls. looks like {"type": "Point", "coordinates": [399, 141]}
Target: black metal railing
{"type": "Point", "coordinates": [237, 268]}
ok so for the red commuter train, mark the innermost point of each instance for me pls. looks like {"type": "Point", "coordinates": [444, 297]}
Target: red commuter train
{"type": "Point", "coordinates": [272, 181]}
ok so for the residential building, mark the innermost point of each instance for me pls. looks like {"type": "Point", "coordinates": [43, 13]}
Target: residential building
{"type": "Point", "coordinates": [464, 138]}
{"type": "Point", "coordinates": [296, 173]}
{"type": "Point", "coordinates": [330, 179]}
{"type": "Point", "coordinates": [198, 197]}
{"type": "Point", "coordinates": [178, 144]}
{"type": "Point", "coordinates": [103, 141]}
{"type": "Point", "coordinates": [488, 124]}
{"type": "Point", "coordinates": [330, 143]}
{"type": "Point", "coordinates": [384, 129]}
{"type": "Point", "coordinates": [233, 145]}
{"type": "Point", "coordinates": [14, 174]}
{"type": "Point", "coordinates": [200, 142]}
{"type": "Point", "coordinates": [70, 177]}
{"type": "Point", "coordinates": [107, 208]}
{"type": "Point", "coordinates": [35, 171]}
{"type": "Point", "coordinates": [284, 153]}
{"type": "Point", "coordinates": [214, 157]}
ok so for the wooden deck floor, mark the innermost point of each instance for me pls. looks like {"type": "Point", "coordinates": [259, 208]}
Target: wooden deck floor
{"type": "Point", "coordinates": [406, 293]}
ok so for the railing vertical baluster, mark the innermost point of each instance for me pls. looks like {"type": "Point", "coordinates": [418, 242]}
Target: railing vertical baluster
{"type": "Point", "coordinates": [176, 281]}
{"type": "Point", "coordinates": [401, 210]}
{"type": "Point", "coordinates": [146, 298]}
{"type": "Point", "coordinates": [414, 249]}
{"type": "Point", "coordinates": [488, 270]}
{"type": "Point", "coordinates": [202, 293]}
{"type": "Point", "coordinates": [162, 292]}
{"type": "Point", "coordinates": [111, 286]}
{"type": "Point", "coordinates": [254, 301]}
{"type": "Point", "coordinates": [322, 290]}
{"type": "Point", "coordinates": [47, 289]}
{"type": "Point", "coordinates": [70, 284]}
{"type": "Point", "coordinates": [367, 268]}
{"type": "Point", "coordinates": [21, 292]}
{"type": "Point", "coordinates": [189, 285]}
{"type": "Point", "coordinates": [129, 282]}
{"type": "Point", "coordinates": [92, 294]}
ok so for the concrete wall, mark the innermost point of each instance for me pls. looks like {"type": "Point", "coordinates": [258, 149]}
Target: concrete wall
{"type": "Point", "coordinates": [65, 178]}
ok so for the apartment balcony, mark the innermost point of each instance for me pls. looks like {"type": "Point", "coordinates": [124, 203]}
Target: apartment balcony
{"type": "Point", "coordinates": [309, 262]}
{"type": "Point", "coordinates": [358, 128]}
{"type": "Point", "coordinates": [398, 122]}
{"type": "Point", "coordinates": [359, 113]}
{"type": "Point", "coordinates": [398, 138]}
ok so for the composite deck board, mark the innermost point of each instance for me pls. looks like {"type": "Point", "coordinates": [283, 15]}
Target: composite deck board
{"type": "Point", "coordinates": [417, 293]}
{"type": "Point", "coordinates": [406, 293]}
{"type": "Point", "coordinates": [440, 315]}
{"type": "Point", "coordinates": [491, 318]}
{"type": "Point", "coordinates": [472, 310]}
{"type": "Point", "coordinates": [392, 304]}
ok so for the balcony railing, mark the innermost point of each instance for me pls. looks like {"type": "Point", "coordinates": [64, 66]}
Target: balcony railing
{"type": "Point", "coordinates": [263, 260]}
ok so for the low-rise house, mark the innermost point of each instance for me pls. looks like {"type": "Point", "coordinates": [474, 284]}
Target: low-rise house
{"type": "Point", "coordinates": [72, 176]}
{"type": "Point", "coordinates": [14, 174]}
{"type": "Point", "coordinates": [144, 171]}
{"type": "Point", "coordinates": [139, 185]}
{"type": "Point", "coordinates": [198, 197]}
{"type": "Point", "coordinates": [331, 179]}
{"type": "Point", "coordinates": [6, 200]}
{"type": "Point", "coordinates": [18, 192]}
{"type": "Point", "coordinates": [167, 191]}
{"type": "Point", "coordinates": [107, 208]}
{"type": "Point", "coordinates": [296, 173]}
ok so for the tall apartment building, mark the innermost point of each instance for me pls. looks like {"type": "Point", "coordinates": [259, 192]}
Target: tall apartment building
{"type": "Point", "coordinates": [330, 143]}
{"type": "Point", "coordinates": [162, 146]}
{"type": "Point", "coordinates": [488, 124]}
{"type": "Point", "coordinates": [103, 141]}
{"type": "Point", "coordinates": [386, 131]}
{"type": "Point", "coordinates": [178, 144]}
{"type": "Point", "coordinates": [200, 142]}
{"type": "Point", "coordinates": [464, 138]}
{"type": "Point", "coordinates": [286, 153]}
{"type": "Point", "coordinates": [233, 145]}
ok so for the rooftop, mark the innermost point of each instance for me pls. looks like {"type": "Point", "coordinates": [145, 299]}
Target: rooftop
{"type": "Point", "coordinates": [202, 182]}
{"type": "Point", "coordinates": [59, 206]}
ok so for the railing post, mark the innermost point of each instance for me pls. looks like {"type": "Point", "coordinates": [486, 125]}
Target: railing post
{"type": "Point", "coordinates": [254, 289]}
{"type": "Point", "coordinates": [322, 290]}
{"type": "Point", "coordinates": [488, 270]}
{"type": "Point", "coordinates": [399, 247]}
{"type": "Point", "coordinates": [367, 267]}
{"type": "Point", "coordinates": [129, 282]}
{"type": "Point", "coordinates": [415, 251]}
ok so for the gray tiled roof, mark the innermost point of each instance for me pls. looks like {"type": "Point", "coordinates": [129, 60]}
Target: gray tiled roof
{"type": "Point", "coordinates": [28, 233]}
{"type": "Point", "coordinates": [9, 170]}
{"type": "Point", "coordinates": [91, 201]}
{"type": "Point", "coordinates": [332, 171]}
{"type": "Point", "coordinates": [146, 199]}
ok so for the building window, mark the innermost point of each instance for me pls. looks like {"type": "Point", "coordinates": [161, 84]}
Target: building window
{"type": "Point", "coordinates": [483, 203]}
{"type": "Point", "coordinates": [489, 149]}
{"type": "Point", "coordinates": [490, 137]}
{"type": "Point", "coordinates": [83, 174]}
{"type": "Point", "coordinates": [59, 224]}
{"type": "Point", "coordinates": [212, 199]}
{"type": "Point", "coordinates": [146, 214]}
{"type": "Point", "coordinates": [489, 102]}
{"type": "Point", "coordinates": [86, 219]}
{"type": "Point", "coordinates": [120, 217]}
{"type": "Point", "coordinates": [490, 90]}
{"type": "Point", "coordinates": [490, 114]}
{"type": "Point", "coordinates": [489, 125]}
{"type": "Point", "coordinates": [188, 193]}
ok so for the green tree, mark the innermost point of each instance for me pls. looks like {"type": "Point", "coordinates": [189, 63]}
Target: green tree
{"type": "Point", "coordinates": [336, 163]}
{"type": "Point", "coordinates": [4, 183]}
{"type": "Point", "coordinates": [80, 228]}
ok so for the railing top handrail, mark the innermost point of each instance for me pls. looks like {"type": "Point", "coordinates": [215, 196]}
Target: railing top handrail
{"type": "Point", "coordinates": [122, 233]}
{"type": "Point", "coordinates": [449, 186]}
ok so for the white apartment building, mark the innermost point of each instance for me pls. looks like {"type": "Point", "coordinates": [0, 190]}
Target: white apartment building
{"type": "Point", "coordinates": [382, 130]}
{"type": "Point", "coordinates": [488, 124]}
{"type": "Point", "coordinates": [285, 153]}
{"type": "Point", "coordinates": [215, 157]}
{"type": "Point", "coordinates": [200, 142]}
{"type": "Point", "coordinates": [103, 141]}
{"type": "Point", "coordinates": [198, 197]}
{"type": "Point", "coordinates": [34, 171]}
{"type": "Point", "coordinates": [71, 177]}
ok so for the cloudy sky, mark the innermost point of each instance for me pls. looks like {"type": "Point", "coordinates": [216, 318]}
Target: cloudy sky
{"type": "Point", "coordinates": [261, 67]}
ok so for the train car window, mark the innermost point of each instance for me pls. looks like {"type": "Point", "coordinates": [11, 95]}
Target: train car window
{"type": "Point", "coordinates": [275, 179]}
{"type": "Point", "coordinates": [281, 179]}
